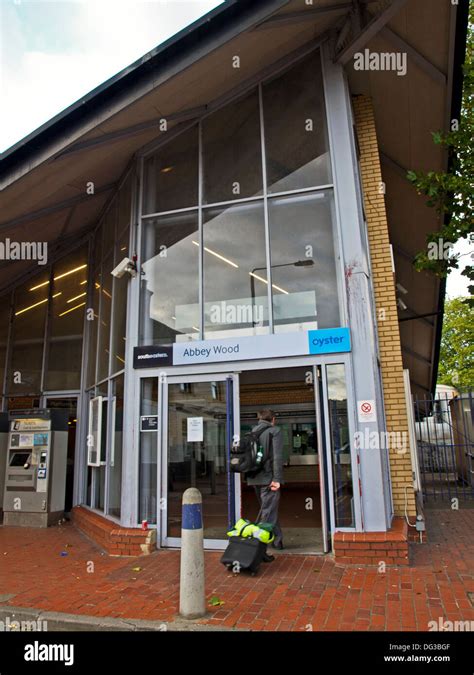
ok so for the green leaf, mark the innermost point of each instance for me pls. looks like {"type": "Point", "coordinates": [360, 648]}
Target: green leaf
{"type": "Point", "coordinates": [215, 601]}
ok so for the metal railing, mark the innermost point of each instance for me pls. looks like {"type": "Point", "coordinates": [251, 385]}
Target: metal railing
{"type": "Point", "coordinates": [444, 426]}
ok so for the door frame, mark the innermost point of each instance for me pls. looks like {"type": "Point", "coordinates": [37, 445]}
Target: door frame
{"type": "Point", "coordinates": [221, 371]}
{"type": "Point", "coordinates": [163, 541]}
{"type": "Point", "coordinates": [76, 396]}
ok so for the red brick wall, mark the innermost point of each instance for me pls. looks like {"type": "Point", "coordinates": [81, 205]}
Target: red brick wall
{"type": "Point", "coordinates": [115, 540]}
{"type": "Point", "coordinates": [372, 548]}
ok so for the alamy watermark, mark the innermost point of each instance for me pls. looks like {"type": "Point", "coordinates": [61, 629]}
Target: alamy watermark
{"type": "Point", "coordinates": [24, 250]}
{"type": "Point", "coordinates": [367, 60]}
{"type": "Point", "coordinates": [12, 625]}
{"type": "Point", "coordinates": [382, 440]}
{"type": "Point", "coordinates": [440, 624]}
{"type": "Point", "coordinates": [231, 313]}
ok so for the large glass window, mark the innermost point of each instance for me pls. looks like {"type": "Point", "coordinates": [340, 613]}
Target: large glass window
{"type": "Point", "coordinates": [296, 142]}
{"type": "Point", "coordinates": [68, 303]}
{"type": "Point", "coordinates": [231, 152]}
{"type": "Point", "coordinates": [119, 326]}
{"type": "Point", "coordinates": [104, 319]}
{"type": "Point", "coordinates": [170, 279]}
{"type": "Point", "coordinates": [303, 255]}
{"type": "Point", "coordinates": [340, 445]}
{"type": "Point", "coordinates": [171, 176]}
{"type": "Point", "coordinates": [293, 236]}
{"type": "Point", "coordinates": [93, 316]}
{"type": "Point", "coordinates": [30, 308]}
{"type": "Point", "coordinates": [235, 274]}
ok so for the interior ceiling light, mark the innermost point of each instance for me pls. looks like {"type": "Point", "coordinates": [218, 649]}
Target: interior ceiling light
{"type": "Point", "coordinates": [72, 309]}
{"type": "Point", "coordinates": [265, 281]}
{"type": "Point", "coordinates": [167, 169]}
{"type": "Point", "coordinates": [36, 304]}
{"type": "Point", "coordinates": [60, 276]}
{"type": "Point", "coordinates": [218, 255]}
{"type": "Point", "coordinates": [76, 297]}
{"type": "Point", "coordinates": [26, 309]}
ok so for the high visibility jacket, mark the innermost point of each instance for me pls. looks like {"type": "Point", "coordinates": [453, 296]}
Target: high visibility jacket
{"type": "Point", "coordinates": [244, 528]}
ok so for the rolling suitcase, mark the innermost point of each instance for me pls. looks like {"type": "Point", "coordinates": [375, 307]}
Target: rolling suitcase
{"type": "Point", "coordinates": [244, 554]}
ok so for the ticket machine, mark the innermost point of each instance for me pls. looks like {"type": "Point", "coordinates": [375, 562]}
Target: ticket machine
{"type": "Point", "coordinates": [35, 470]}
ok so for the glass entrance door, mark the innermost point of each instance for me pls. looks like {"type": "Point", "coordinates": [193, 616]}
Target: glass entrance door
{"type": "Point", "coordinates": [199, 416]}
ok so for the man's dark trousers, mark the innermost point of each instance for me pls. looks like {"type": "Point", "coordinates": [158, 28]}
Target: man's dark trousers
{"type": "Point", "coordinates": [269, 501]}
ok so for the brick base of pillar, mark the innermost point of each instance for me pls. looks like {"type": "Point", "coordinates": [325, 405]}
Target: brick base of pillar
{"type": "Point", "coordinates": [115, 540]}
{"type": "Point", "coordinates": [372, 548]}
{"type": "Point", "coordinates": [414, 536]}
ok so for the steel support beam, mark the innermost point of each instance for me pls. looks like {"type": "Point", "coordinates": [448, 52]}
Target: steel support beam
{"type": "Point", "coordinates": [388, 161]}
{"type": "Point", "coordinates": [371, 29]}
{"type": "Point", "coordinates": [119, 134]}
{"type": "Point", "coordinates": [415, 355]}
{"type": "Point", "coordinates": [302, 15]}
{"type": "Point", "coordinates": [59, 206]}
{"type": "Point", "coordinates": [429, 68]}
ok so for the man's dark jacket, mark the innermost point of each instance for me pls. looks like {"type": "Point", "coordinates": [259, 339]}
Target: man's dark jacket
{"type": "Point", "coordinates": [273, 467]}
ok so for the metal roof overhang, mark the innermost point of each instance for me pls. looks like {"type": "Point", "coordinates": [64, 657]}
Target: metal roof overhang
{"type": "Point", "coordinates": [44, 177]}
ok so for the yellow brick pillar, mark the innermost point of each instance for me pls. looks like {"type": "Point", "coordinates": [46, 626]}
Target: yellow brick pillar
{"type": "Point", "coordinates": [386, 305]}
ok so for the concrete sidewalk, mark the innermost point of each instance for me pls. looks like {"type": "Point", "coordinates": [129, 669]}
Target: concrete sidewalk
{"type": "Point", "coordinates": [58, 570]}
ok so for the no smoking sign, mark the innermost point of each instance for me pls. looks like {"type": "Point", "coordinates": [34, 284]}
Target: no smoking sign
{"type": "Point", "coordinates": [366, 411]}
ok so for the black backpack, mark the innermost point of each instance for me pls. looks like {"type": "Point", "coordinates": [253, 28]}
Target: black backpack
{"type": "Point", "coordinates": [249, 456]}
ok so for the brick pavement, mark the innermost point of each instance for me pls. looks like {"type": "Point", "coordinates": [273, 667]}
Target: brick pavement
{"type": "Point", "coordinates": [293, 593]}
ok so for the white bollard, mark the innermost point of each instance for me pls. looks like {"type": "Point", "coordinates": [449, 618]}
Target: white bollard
{"type": "Point", "coordinates": [192, 602]}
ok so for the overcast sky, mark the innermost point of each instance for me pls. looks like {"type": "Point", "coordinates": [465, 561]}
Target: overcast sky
{"type": "Point", "coordinates": [52, 53]}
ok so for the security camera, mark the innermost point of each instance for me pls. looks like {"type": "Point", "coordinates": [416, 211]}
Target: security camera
{"type": "Point", "coordinates": [125, 265]}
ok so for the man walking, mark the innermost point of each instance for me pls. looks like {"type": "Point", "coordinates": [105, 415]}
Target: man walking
{"type": "Point", "coordinates": [267, 482]}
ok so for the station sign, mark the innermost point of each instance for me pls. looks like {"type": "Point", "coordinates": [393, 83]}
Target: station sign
{"type": "Point", "coordinates": [322, 341]}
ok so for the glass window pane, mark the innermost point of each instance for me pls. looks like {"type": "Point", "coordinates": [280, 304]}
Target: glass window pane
{"type": "Point", "coordinates": [340, 446]}
{"type": "Point", "coordinates": [93, 324]}
{"type": "Point", "coordinates": [99, 487]}
{"type": "Point", "coordinates": [30, 307]}
{"type": "Point", "coordinates": [200, 464]}
{"type": "Point", "coordinates": [109, 227]}
{"type": "Point", "coordinates": [148, 452]}
{"type": "Point", "coordinates": [93, 327]}
{"type": "Point", "coordinates": [66, 322]}
{"type": "Point", "coordinates": [232, 152]}
{"type": "Point", "coordinates": [104, 320]}
{"type": "Point", "coordinates": [235, 277]}
{"type": "Point", "coordinates": [296, 142]}
{"type": "Point", "coordinates": [304, 280]}
{"type": "Point", "coordinates": [170, 280]}
{"type": "Point", "coordinates": [124, 205]}
{"type": "Point", "coordinates": [120, 289]}
{"type": "Point", "coordinates": [115, 464]}
{"type": "Point", "coordinates": [119, 327]}
{"type": "Point", "coordinates": [171, 175]}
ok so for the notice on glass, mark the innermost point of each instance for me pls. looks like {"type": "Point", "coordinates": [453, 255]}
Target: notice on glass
{"type": "Point", "coordinates": [195, 429]}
